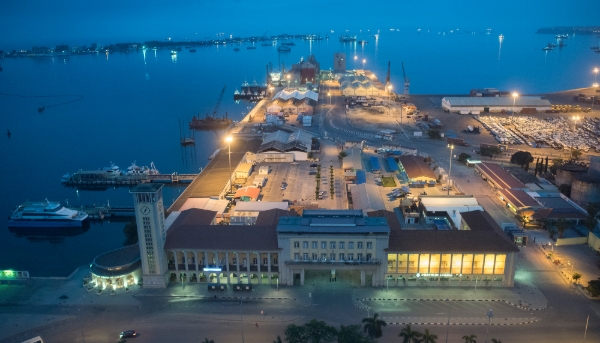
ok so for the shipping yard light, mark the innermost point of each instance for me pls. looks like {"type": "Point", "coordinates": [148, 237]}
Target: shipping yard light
{"type": "Point", "coordinates": [515, 95]}
{"type": "Point", "coordinates": [329, 95]}
{"type": "Point", "coordinates": [363, 63]}
{"type": "Point", "coordinates": [451, 146]}
{"type": "Point", "coordinates": [229, 139]}
{"type": "Point", "coordinates": [595, 75]}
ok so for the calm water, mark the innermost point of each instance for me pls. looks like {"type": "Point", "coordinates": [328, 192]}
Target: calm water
{"type": "Point", "coordinates": [132, 104]}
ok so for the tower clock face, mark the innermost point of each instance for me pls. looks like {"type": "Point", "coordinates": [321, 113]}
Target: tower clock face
{"type": "Point", "coordinates": [145, 210]}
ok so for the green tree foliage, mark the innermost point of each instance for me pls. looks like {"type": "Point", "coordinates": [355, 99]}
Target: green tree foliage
{"type": "Point", "coordinates": [575, 153]}
{"type": "Point", "coordinates": [352, 334]}
{"type": "Point", "coordinates": [312, 332]}
{"type": "Point", "coordinates": [521, 158]}
{"type": "Point", "coordinates": [428, 337]}
{"type": "Point", "coordinates": [496, 340]}
{"type": "Point", "coordinates": [373, 325]}
{"type": "Point", "coordinates": [131, 235]}
{"type": "Point", "coordinates": [556, 162]}
{"type": "Point", "coordinates": [594, 287]}
{"type": "Point", "coordinates": [463, 157]}
{"type": "Point", "coordinates": [434, 134]}
{"type": "Point", "coordinates": [342, 155]}
{"type": "Point", "coordinates": [278, 340]}
{"type": "Point", "coordinates": [409, 336]}
{"type": "Point", "coordinates": [561, 226]}
{"type": "Point", "coordinates": [565, 189]}
{"type": "Point", "coordinates": [470, 338]}
{"type": "Point", "coordinates": [490, 152]}
{"type": "Point", "coordinates": [576, 277]}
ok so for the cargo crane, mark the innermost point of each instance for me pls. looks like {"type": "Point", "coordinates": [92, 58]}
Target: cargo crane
{"type": "Point", "coordinates": [211, 121]}
{"type": "Point", "coordinates": [406, 80]}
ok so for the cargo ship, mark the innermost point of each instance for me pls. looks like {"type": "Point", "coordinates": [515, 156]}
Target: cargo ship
{"type": "Point", "coordinates": [211, 121]}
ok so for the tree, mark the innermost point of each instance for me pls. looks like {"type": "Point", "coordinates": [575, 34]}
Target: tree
{"type": "Point", "coordinates": [521, 158]}
{"type": "Point", "coordinates": [552, 231]}
{"type": "Point", "coordinates": [342, 155]}
{"type": "Point", "coordinates": [561, 226]}
{"type": "Point", "coordinates": [428, 337]}
{"type": "Point", "coordinates": [470, 339]}
{"type": "Point", "coordinates": [131, 235]}
{"type": "Point", "coordinates": [352, 334]}
{"type": "Point", "coordinates": [408, 335]}
{"type": "Point", "coordinates": [556, 162]}
{"type": "Point", "coordinates": [312, 332]}
{"type": "Point", "coordinates": [496, 340]}
{"type": "Point", "coordinates": [295, 334]}
{"type": "Point", "coordinates": [576, 277]}
{"type": "Point", "coordinates": [463, 157]}
{"type": "Point", "coordinates": [575, 153]}
{"type": "Point", "coordinates": [590, 221]}
{"type": "Point", "coordinates": [546, 166]}
{"type": "Point", "coordinates": [206, 340]}
{"type": "Point", "coordinates": [434, 134]}
{"type": "Point", "coordinates": [278, 340]}
{"type": "Point", "coordinates": [489, 151]}
{"type": "Point", "coordinates": [373, 325]}
{"type": "Point", "coordinates": [594, 287]}
{"type": "Point", "coordinates": [565, 189]}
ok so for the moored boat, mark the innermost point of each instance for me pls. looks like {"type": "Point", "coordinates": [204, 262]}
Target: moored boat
{"type": "Point", "coordinates": [45, 214]}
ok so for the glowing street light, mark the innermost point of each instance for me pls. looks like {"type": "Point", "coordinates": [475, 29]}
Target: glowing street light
{"type": "Point", "coordinates": [515, 95]}
{"type": "Point", "coordinates": [363, 63]}
{"type": "Point", "coordinates": [355, 58]}
{"type": "Point", "coordinates": [329, 95]}
{"type": "Point", "coordinates": [576, 119]}
{"type": "Point", "coordinates": [229, 139]}
{"type": "Point", "coordinates": [288, 78]}
{"type": "Point", "coordinates": [595, 75]}
{"type": "Point", "coordinates": [389, 89]}
{"type": "Point", "coordinates": [451, 146]}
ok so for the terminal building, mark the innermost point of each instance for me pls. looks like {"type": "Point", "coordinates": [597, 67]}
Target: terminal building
{"type": "Point", "coordinates": [476, 105]}
{"type": "Point", "coordinates": [281, 247]}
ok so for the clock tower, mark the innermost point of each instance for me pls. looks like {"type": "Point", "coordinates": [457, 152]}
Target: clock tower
{"type": "Point", "coordinates": [150, 219]}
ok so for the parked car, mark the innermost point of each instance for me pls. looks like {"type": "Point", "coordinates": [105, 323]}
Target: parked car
{"type": "Point", "coordinates": [312, 172]}
{"type": "Point", "coordinates": [314, 165]}
{"type": "Point", "coordinates": [128, 334]}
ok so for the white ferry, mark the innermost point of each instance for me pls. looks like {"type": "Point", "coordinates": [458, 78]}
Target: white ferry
{"type": "Point", "coordinates": [45, 214]}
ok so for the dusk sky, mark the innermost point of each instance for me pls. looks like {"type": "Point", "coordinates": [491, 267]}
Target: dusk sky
{"type": "Point", "coordinates": [76, 22]}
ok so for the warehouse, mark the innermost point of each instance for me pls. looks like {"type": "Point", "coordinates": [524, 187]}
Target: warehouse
{"type": "Point", "coordinates": [416, 169]}
{"type": "Point", "coordinates": [476, 105]}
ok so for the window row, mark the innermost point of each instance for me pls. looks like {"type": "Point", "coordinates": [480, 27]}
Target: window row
{"type": "Point", "coordinates": [446, 263]}
{"type": "Point", "coordinates": [332, 257]}
{"type": "Point", "coordinates": [332, 245]}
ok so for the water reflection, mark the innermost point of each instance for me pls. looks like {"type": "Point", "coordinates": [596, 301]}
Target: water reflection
{"type": "Point", "coordinates": [48, 234]}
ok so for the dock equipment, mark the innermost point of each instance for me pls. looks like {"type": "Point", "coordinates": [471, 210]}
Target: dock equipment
{"type": "Point", "coordinates": [406, 80]}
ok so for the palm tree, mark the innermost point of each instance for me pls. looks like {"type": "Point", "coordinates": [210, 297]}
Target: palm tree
{"type": "Point", "coordinates": [470, 339]}
{"type": "Point", "coordinates": [278, 340]}
{"type": "Point", "coordinates": [428, 337]}
{"type": "Point", "coordinates": [561, 226]}
{"type": "Point", "coordinates": [496, 340]}
{"type": "Point", "coordinates": [373, 326]}
{"type": "Point", "coordinates": [206, 340]}
{"type": "Point", "coordinates": [409, 335]}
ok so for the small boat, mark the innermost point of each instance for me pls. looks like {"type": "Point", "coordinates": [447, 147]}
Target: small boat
{"type": "Point", "coordinates": [251, 47]}
{"type": "Point", "coordinates": [236, 49]}
{"type": "Point", "coordinates": [597, 50]}
{"type": "Point", "coordinates": [8, 133]}
{"type": "Point", "coordinates": [547, 48]}
{"type": "Point", "coordinates": [41, 109]}
{"type": "Point", "coordinates": [188, 141]}
{"type": "Point", "coordinates": [173, 52]}
{"type": "Point", "coordinates": [134, 169]}
{"type": "Point", "coordinates": [283, 48]}
{"type": "Point", "coordinates": [45, 214]}
{"type": "Point", "coordinates": [289, 44]}
{"type": "Point", "coordinates": [192, 50]}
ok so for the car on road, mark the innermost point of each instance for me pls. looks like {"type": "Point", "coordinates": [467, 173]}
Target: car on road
{"type": "Point", "coordinates": [312, 172]}
{"type": "Point", "coordinates": [446, 188]}
{"type": "Point", "coordinates": [128, 334]}
{"type": "Point", "coordinates": [314, 165]}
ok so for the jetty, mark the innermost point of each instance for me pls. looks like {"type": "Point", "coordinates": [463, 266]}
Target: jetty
{"type": "Point", "coordinates": [98, 181]}
{"type": "Point", "coordinates": [105, 212]}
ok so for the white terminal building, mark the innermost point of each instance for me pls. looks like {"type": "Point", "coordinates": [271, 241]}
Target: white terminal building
{"type": "Point", "coordinates": [476, 105]}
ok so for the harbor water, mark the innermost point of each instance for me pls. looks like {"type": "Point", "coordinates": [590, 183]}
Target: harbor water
{"type": "Point", "coordinates": [126, 107]}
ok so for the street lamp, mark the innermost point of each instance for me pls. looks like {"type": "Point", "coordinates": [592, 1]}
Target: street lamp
{"type": "Point", "coordinates": [242, 318]}
{"type": "Point", "coordinates": [490, 314]}
{"type": "Point", "coordinates": [595, 75]}
{"type": "Point", "coordinates": [451, 146]}
{"type": "Point", "coordinates": [575, 119]}
{"type": "Point", "coordinates": [389, 87]}
{"type": "Point", "coordinates": [288, 78]}
{"type": "Point", "coordinates": [329, 95]}
{"type": "Point", "coordinates": [363, 63]}
{"type": "Point", "coordinates": [355, 58]}
{"type": "Point", "coordinates": [228, 139]}
{"type": "Point", "coordinates": [515, 95]}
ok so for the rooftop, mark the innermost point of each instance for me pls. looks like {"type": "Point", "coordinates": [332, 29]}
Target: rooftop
{"type": "Point", "coordinates": [117, 262]}
{"type": "Point", "coordinates": [519, 198]}
{"type": "Point", "coordinates": [415, 167]}
{"type": "Point", "coordinates": [522, 101]}
{"type": "Point", "coordinates": [344, 225]}
{"type": "Point", "coordinates": [499, 176]}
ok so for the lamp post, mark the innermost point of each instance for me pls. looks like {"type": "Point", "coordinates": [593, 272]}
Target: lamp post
{"type": "Point", "coordinates": [575, 119]}
{"type": "Point", "coordinates": [355, 58]}
{"type": "Point", "coordinates": [595, 74]}
{"type": "Point", "coordinates": [363, 63]}
{"type": "Point", "coordinates": [490, 314]}
{"type": "Point", "coordinates": [389, 87]}
{"type": "Point", "coordinates": [514, 95]}
{"type": "Point", "coordinates": [288, 78]}
{"type": "Point", "coordinates": [242, 318]}
{"type": "Point", "coordinates": [451, 146]}
{"type": "Point", "coordinates": [228, 140]}
{"type": "Point", "coordinates": [448, 324]}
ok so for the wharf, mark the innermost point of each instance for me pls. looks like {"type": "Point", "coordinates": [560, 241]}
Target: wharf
{"type": "Point", "coordinates": [214, 179]}
{"type": "Point", "coordinates": [105, 212]}
{"type": "Point", "coordinates": [128, 180]}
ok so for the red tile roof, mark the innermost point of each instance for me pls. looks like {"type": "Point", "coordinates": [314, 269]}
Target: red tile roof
{"type": "Point", "coordinates": [251, 192]}
{"type": "Point", "coordinates": [499, 176]}
{"type": "Point", "coordinates": [519, 198]}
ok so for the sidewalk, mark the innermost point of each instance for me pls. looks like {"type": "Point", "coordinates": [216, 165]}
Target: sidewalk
{"type": "Point", "coordinates": [521, 296]}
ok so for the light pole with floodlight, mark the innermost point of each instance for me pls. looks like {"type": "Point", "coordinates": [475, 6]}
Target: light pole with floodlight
{"type": "Point", "coordinates": [363, 64]}
{"type": "Point", "coordinates": [355, 58]}
{"type": "Point", "coordinates": [490, 315]}
{"type": "Point", "coordinates": [329, 95]}
{"type": "Point", "coordinates": [595, 74]}
{"type": "Point", "coordinates": [288, 78]}
{"type": "Point", "coordinates": [228, 140]}
{"type": "Point", "coordinates": [514, 95]}
{"type": "Point", "coordinates": [451, 146]}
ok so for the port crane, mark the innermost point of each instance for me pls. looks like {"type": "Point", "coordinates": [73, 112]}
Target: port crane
{"type": "Point", "coordinates": [214, 114]}
{"type": "Point", "coordinates": [406, 80]}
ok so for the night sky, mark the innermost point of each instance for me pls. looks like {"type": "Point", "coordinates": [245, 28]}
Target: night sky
{"type": "Point", "coordinates": [42, 22]}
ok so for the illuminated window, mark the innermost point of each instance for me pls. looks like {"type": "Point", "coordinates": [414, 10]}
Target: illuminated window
{"type": "Point", "coordinates": [445, 264]}
{"type": "Point", "coordinates": [456, 265]}
{"type": "Point", "coordinates": [500, 262]}
{"type": "Point", "coordinates": [413, 262]}
{"type": "Point", "coordinates": [402, 263]}
{"type": "Point", "coordinates": [478, 264]}
{"type": "Point", "coordinates": [488, 267]}
{"type": "Point", "coordinates": [434, 264]}
{"type": "Point", "coordinates": [391, 263]}
{"type": "Point", "coordinates": [424, 263]}
{"type": "Point", "coordinates": [467, 267]}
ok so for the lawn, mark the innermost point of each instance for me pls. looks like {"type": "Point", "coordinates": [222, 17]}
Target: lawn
{"type": "Point", "coordinates": [388, 181]}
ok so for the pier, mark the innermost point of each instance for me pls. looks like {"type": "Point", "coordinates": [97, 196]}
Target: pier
{"type": "Point", "coordinates": [127, 180]}
{"type": "Point", "coordinates": [105, 212]}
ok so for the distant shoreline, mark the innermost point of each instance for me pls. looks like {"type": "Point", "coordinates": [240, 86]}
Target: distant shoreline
{"type": "Point", "coordinates": [582, 30]}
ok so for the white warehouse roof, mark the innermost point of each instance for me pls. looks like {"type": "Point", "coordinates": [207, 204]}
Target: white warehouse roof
{"type": "Point", "coordinates": [522, 101]}
{"type": "Point", "coordinates": [299, 95]}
